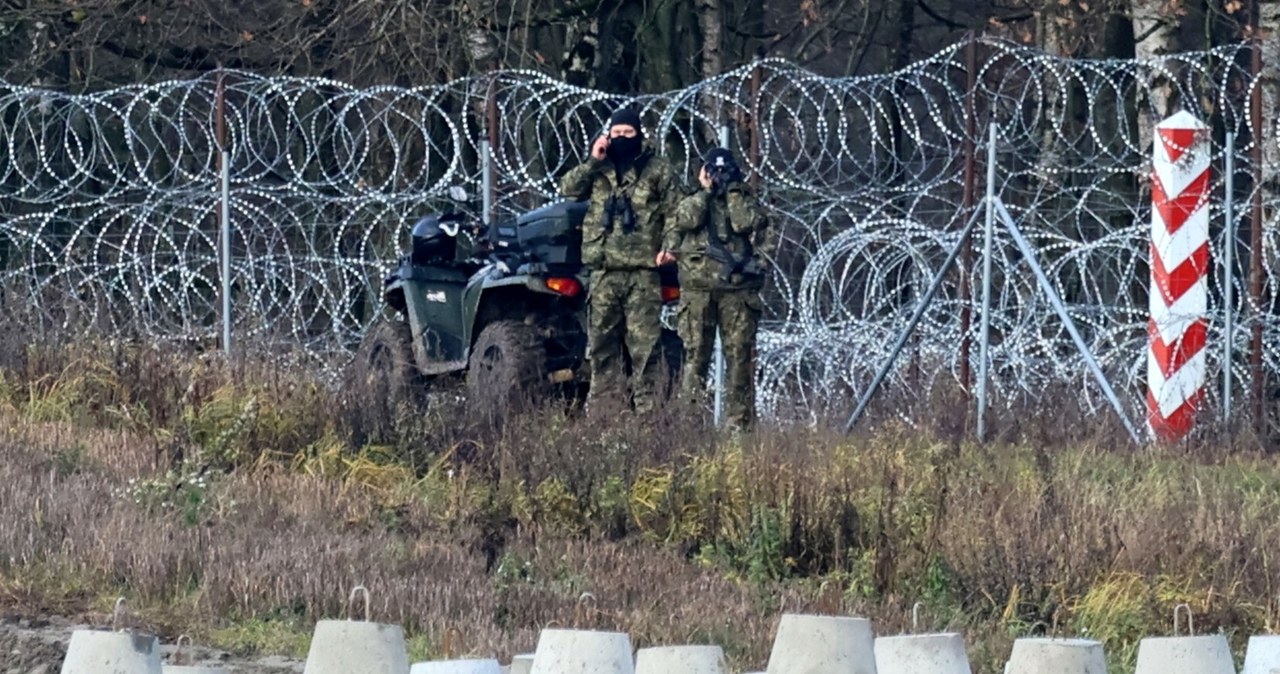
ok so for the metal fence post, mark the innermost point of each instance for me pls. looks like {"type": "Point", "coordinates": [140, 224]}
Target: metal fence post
{"type": "Point", "coordinates": [1228, 273]}
{"type": "Point", "coordinates": [984, 346]}
{"type": "Point", "coordinates": [970, 189]}
{"type": "Point", "coordinates": [487, 148]}
{"type": "Point", "coordinates": [486, 182]}
{"type": "Point", "coordinates": [718, 366]}
{"type": "Point", "coordinates": [224, 210]}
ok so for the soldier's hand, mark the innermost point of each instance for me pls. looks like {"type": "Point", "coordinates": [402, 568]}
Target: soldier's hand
{"type": "Point", "coordinates": [600, 148]}
{"type": "Point", "coordinates": [704, 178]}
{"type": "Point", "coordinates": [664, 257]}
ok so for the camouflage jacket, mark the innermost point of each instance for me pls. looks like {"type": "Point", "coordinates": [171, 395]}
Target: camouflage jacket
{"type": "Point", "coordinates": [607, 240]}
{"type": "Point", "coordinates": [738, 218]}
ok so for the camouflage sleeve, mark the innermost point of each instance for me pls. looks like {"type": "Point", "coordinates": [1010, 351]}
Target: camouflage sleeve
{"type": "Point", "coordinates": [671, 194]}
{"type": "Point", "coordinates": [690, 210]}
{"type": "Point", "coordinates": [576, 184]}
{"type": "Point", "coordinates": [764, 239]}
{"type": "Point", "coordinates": [748, 218]}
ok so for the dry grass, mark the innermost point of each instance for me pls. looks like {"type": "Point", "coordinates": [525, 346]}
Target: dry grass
{"type": "Point", "coordinates": [241, 502]}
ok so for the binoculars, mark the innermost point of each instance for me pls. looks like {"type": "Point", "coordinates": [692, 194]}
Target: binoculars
{"type": "Point", "coordinates": [619, 206]}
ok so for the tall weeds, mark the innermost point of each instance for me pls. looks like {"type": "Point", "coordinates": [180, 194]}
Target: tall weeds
{"type": "Point", "coordinates": [241, 501]}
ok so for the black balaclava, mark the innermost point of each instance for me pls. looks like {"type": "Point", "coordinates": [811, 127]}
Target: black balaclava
{"type": "Point", "coordinates": [622, 150]}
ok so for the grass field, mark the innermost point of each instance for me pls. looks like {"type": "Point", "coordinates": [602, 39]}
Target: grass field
{"type": "Point", "coordinates": [240, 503]}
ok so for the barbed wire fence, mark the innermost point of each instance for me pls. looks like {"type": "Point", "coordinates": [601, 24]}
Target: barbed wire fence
{"type": "Point", "coordinates": [110, 201]}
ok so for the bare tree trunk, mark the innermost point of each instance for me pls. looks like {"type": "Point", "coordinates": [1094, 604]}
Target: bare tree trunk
{"type": "Point", "coordinates": [660, 60]}
{"type": "Point", "coordinates": [1115, 126]}
{"type": "Point", "coordinates": [581, 59]}
{"type": "Point", "coordinates": [39, 36]}
{"type": "Point", "coordinates": [481, 44]}
{"type": "Point", "coordinates": [1054, 37]}
{"type": "Point", "coordinates": [1057, 29]}
{"type": "Point", "coordinates": [1154, 37]}
{"type": "Point", "coordinates": [1267, 192]}
{"type": "Point", "coordinates": [1269, 24]}
{"type": "Point", "coordinates": [711, 24]}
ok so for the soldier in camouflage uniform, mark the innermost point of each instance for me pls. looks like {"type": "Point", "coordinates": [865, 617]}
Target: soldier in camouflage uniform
{"type": "Point", "coordinates": [631, 195]}
{"type": "Point", "coordinates": [721, 239]}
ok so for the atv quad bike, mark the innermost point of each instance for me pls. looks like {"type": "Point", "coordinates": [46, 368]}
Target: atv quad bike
{"type": "Point", "coordinates": [504, 305]}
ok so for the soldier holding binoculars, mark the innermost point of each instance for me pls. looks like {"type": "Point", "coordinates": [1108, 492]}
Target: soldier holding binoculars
{"type": "Point", "coordinates": [719, 239]}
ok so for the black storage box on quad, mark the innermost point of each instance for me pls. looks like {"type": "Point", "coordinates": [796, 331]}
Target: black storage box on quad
{"type": "Point", "coordinates": [431, 243]}
{"type": "Point", "coordinates": [550, 235]}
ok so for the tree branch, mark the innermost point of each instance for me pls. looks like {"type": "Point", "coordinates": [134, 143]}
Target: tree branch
{"type": "Point", "coordinates": [938, 17]}
{"type": "Point", "coordinates": [804, 44]}
{"type": "Point", "coordinates": [1156, 26]}
{"type": "Point", "coordinates": [199, 59]}
{"type": "Point", "coordinates": [855, 68]}
{"type": "Point", "coordinates": [580, 8]}
{"type": "Point", "coordinates": [749, 35]}
{"type": "Point", "coordinates": [1023, 16]}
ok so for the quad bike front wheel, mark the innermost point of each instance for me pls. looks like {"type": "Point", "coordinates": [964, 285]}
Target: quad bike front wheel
{"type": "Point", "coordinates": [382, 379]}
{"type": "Point", "coordinates": [384, 363]}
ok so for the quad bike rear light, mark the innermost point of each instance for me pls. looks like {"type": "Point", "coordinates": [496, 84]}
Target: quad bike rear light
{"type": "Point", "coordinates": [567, 286]}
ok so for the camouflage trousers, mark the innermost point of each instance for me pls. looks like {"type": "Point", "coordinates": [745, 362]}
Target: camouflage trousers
{"type": "Point", "coordinates": [624, 323]}
{"type": "Point", "coordinates": [737, 313]}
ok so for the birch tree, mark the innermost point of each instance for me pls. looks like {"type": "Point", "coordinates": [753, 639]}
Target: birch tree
{"type": "Point", "coordinates": [1155, 24]}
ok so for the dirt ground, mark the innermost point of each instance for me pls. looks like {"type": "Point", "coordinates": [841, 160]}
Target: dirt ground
{"type": "Point", "coordinates": [38, 647]}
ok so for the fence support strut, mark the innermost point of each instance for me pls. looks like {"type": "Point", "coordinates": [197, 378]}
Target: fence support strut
{"type": "Point", "coordinates": [1046, 286]}
{"type": "Point", "coordinates": [921, 307]}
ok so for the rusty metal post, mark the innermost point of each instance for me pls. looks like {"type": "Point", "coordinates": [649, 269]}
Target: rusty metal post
{"type": "Point", "coordinates": [489, 148]}
{"type": "Point", "coordinates": [1255, 234]}
{"type": "Point", "coordinates": [969, 196]}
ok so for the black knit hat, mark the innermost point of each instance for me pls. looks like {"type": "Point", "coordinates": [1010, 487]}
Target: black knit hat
{"type": "Point", "coordinates": [629, 116]}
{"type": "Point", "coordinates": [719, 157]}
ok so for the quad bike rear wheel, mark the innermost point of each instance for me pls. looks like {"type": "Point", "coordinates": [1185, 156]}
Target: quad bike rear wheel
{"type": "Point", "coordinates": [506, 370]}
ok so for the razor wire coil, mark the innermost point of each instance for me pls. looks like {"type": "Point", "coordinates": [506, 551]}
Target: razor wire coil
{"type": "Point", "coordinates": [110, 200]}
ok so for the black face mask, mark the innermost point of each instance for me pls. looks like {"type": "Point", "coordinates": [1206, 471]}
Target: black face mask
{"type": "Point", "coordinates": [624, 150]}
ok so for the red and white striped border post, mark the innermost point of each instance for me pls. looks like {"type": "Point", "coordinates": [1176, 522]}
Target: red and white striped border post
{"type": "Point", "coordinates": [1176, 368]}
